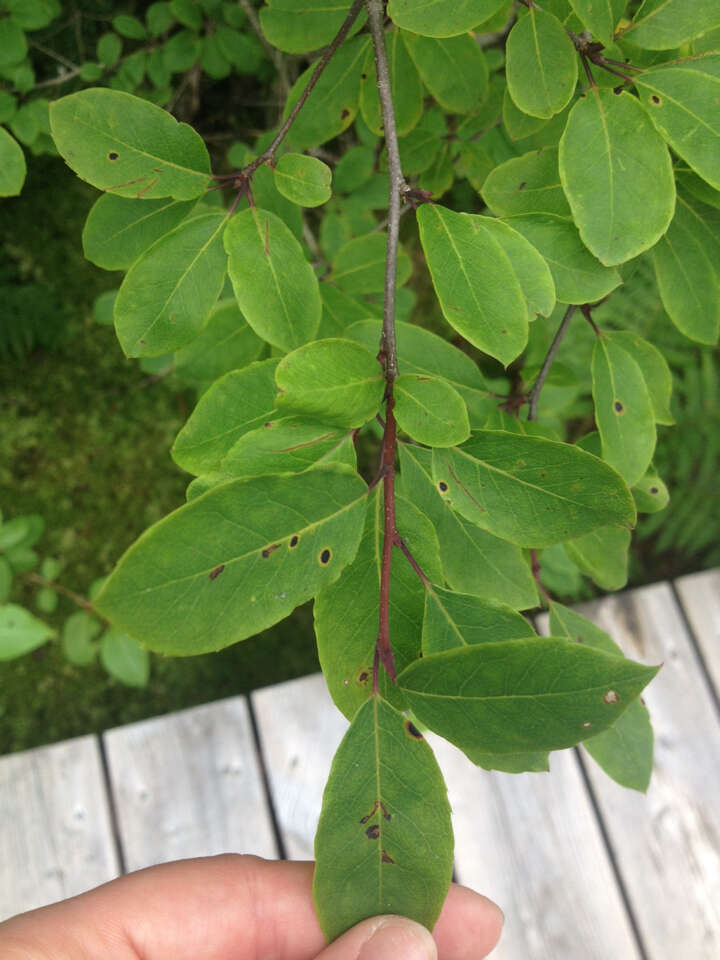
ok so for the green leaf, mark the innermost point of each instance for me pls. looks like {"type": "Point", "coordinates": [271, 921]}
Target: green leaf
{"type": "Point", "coordinates": [33, 14]}
{"type": "Point", "coordinates": [454, 70]}
{"type": "Point", "coordinates": [340, 310]}
{"type": "Point", "coordinates": [687, 272]}
{"type": "Point", "coordinates": [530, 268]}
{"type": "Point", "coordinates": [124, 658]}
{"type": "Point", "coordinates": [295, 26]}
{"type": "Point", "coordinates": [225, 343]}
{"type": "Point", "coordinates": [274, 284]}
{"type": "Point", "coordinates": [521, 695]}
{"type": "Point", "coordinates": [6, 579]}
{"type": "Point", "coordinates": [650, 493]}
{"type": "Point", "coordinates": [336, 381]}
{"type": "Point", "coordinates": [682, 102]}
{"type": "Point", "coordinates": [519, 125]}
{"type": "Point", "coordinates": [354, 168]}
{"type": "Point", "coordinates": [577, 275]}
{"type": "Point", "coordinates": [430, 411]}
{"type": "Point", "coordinates": [531, 491]}
{"type": "Point", "coordinates": [12, 165]}
{"type": "Point", "coordinates": [46, 600]}
{"type": "Point", "coordinates": [118, 230]}
{"type": "Point", "coordinates": [418, 151]}
{"type": "Point", "coordinates": [188, 13]}
{"type": "Point", "coordinates": [405, 86]}
{"type": "Point", "coordinates": [236, 560]}
{"type": "Point", "coordinates": [78, 638]}
{"type": "Point", "coordinates": [458, 620]}
{"type": "Point", "coordinates": [441, 18]}
{"type": "Point", "coordinates": [625, 750]}
{"type": "Point", "coordinates": [346, 612]}
{"type": "Point", "coordinates": [129, 27]}
{"type": "Point", "coordinates": [20, 632]}
{"type": "Point", "coordinates": [267, 197]}
{"type": "Point", "coordinates": [167, 294]}
{"type": "Point", "coordinates": [242, 50]}
{"type": "Point", "coordinates": [359, 266]}
{"type": "Point", "coordinates": [427, 355]}
{"type": "Point", "coordinates": [474, 562]}
{"type": "Point", "coordinates": [655, 371]}
{"type": "Point", "coordinates": [384, 842]}
{"type": "Point", "coordinates": [333, 102]}
{"type": "Point", "coordinates": [666, 24]}
{"type": "Point", "coordinates": [109, 49]}
{"type": "Point", "coordinates": [617, 175]}
{"type": "Point", "coordinates": [541, 65]}
{"type": "Point", "coordinates": [623, 410]}
{"type": "Point", "coordinates": [288, 445]}
{"type": "Point", "coordinates": [181, 51]}
{"type": "Point", "coordinates": [8, 106]}
{"type": "Point", "coordinates": [22, 559]}
{"type": "Point", "coordinates": [103, 307]}
{"type": "Point", "coordinates": [159, 18]}
{"type": "Point", "coordinates": [13, 43]}
{"type": "Point", "coordinates": [304, 180]}
{"type": "Point", "coordinates": [475, 282]}
{"type": "Point", "coordinates": [237, 403]}
{"type": "Point", "coordinates": [16, 532]}
{"type": "Point", "coordinates": [600, 18]}
{"type": "Point", "coordinates": [603, 556]}
{"type": "Point", "coordinates": [527, 184]}
{"type": "Point", "coordinates": [697, 188]}
{"type": "Point", "coordinates": [129, 146]}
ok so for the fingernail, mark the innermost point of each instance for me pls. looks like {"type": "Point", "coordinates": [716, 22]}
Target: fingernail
{"type": "Point", "coordinates": [397, 938]}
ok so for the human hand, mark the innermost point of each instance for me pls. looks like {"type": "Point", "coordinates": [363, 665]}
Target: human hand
{"type": "Point", "coordinates": [235, 908]}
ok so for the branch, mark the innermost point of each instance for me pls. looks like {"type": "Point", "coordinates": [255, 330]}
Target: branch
{"type": "Point", "coordinates": [534, 394]}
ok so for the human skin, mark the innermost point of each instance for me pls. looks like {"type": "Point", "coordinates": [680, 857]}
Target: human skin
{"type": "Point", "coordinates": [235, 907]}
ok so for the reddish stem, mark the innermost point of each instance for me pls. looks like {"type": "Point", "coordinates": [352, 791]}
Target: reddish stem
{"type": "Point", "coordinates": [387, 467]}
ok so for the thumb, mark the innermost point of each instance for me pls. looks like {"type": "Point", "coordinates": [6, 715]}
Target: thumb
{"type": "Point", "coordinates": [383, 938]}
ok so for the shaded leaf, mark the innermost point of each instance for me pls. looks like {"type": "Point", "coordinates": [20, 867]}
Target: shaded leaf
{"type": "Point", "coordinates": [405, 86]}
{"type": "Point", "coordinates": [12, 165]}
{"type": "Point", "coordinates": [430, 411]}
{"type": "Point", "coordinates": [295, 26]}
{"type": "Point", "coordinates": [603, 556]}
{"type": "Point", "coordinates": [665, 24]}
{"type": "Point", "coordinates": [623, 410]}
{"type": "Point", "coordinates": [20, 632]}
{"type": "Point", "coordinates": [235, 560]}
{"type": "Point", "coordinates": [336, 381]}
{"type": "Point", "coordinates": [527, 184]}
{"type": "Point", "coordinates": [453, 69]}
{"type": "Point", "coordinates": [237, 403]}
{"type": "Point", "coordinates": [287, 445]}
{"type": "Point", "coordinates": [118, 230]}
{"type": "Point", "coordinates": [531, 491]}
{"type": "Point", "coordinates": [127, 145]}
{"type": "Point", "coordinates": [458, 620]}
{"type": "Point", "coordinates": [541, 64]}
{"type": "Point", "coordinates": [167, 294]}
{"type": "Point", "coordinates": [650, 493]}
{"type": "Point", "coordinates": [274, 284]}
{"type": "Point", "coordinates": [359, 265]}
{"type": "Point", "coordinates": [617, 175]}
{"type": "Point", "coordinates": [441, 18]}
{"type": "Point", "coordinates": [655, 371]}
{"type": "Point", "coordinates": [601, 17]}
{"type": "Point", "coordinates": [225, 343]}
{"type": "Point", "coordinates": [384, 842]}
{"type": "Point", "coordinates": [78, 638]}
{"type": "Point", "coordinates": [124, 658]}
{"type": "Point", "coordinates": [530, 268]}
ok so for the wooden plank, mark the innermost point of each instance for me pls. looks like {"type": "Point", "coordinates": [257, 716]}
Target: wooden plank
{"type": "Point", "coordinates": [55, 830]}
{"type": "Point", "coordinates": [531, 842]}
{"type": "Point", "coordinates": [300, 729]}
{"type": "Point", "coordinates": [189, 785]}
{"type": "Point", "coordinates": [700, 598]}
{"type": "Point", "coordinates": [667, 842]}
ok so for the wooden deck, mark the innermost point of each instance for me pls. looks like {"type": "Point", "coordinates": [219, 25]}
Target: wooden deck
{"type": "Point", "coordinates": [583, 869]}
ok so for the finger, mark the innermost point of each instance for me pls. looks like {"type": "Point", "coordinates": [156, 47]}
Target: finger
{"type": "Point", "coordinates": [383, 938]}
{"type": "Point", "coordinates": [218, 907]}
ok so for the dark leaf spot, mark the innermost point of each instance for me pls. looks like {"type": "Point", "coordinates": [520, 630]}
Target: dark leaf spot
{"type": "Point", "coordinates": [112, 155]}
{"type": "Point", "coordinates": [363, 76]}
{"type": "Point", "coordinates": [345, 114]}
{"type": "Point", "coordinates": [386, 815]}
{"type": "Point", "coordinates": [611, 697]}
{"type": "Point", "coordinates": [363, 677]}
{"type": "Point", "coordinates": [619, 408]}
{"type": "Point", "coordinates": [412, 731]}
{"type": "Point", "coordinates": [442, 487]}
{"type": "Point", "coordinates": [373, 831]}
{"type": "Point", "coordinates": [325, 556]}
{"type": "Point", "coordinates": [268, 550]}
{"type": "Point", "coordinates": [655, 98]}
{"type": "Point", "coordinates": [543, 474]}
{"type": "Point", "coordinates": [294, 540]}
{"type": "Point", "coordinates": [653, 489]}
{"type": "Point", "coordinates": [366, 818]}
{"type": "Point", "coordinates": [386, 858]}
{"type": "Point", "coordinates": [269, 423]}
{"type": "Point", "coordinates": [522, 185]}
{"type": "Point", "coordinates": [217, 571]}
{"type": "Point", "coordinates": [579, 639]}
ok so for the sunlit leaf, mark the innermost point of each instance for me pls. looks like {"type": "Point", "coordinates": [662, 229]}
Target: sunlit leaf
{"type": "Point", "coordinates": [541, 65]}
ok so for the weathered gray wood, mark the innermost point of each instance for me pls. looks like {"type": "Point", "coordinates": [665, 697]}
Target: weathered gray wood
{"type": "Point", "coordinates": [667, 842]}
{"type": "Point", "coordinates": [300, 729]}
{"type": "Point", "coordinates": [531, 842]}
{"type": "Point", "coordinates": [189, 785]}
{"type": "Point", "coordinates": [55, 830]}
{"type": "Point", "coordinates": [700, 598]}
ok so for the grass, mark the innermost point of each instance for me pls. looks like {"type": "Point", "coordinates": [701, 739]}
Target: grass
{"type": "Point", "coordinates": [85, 443]}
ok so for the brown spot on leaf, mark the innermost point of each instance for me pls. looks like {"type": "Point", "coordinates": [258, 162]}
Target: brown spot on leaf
{"type": "Point", "coordinates": [294, 540]}
{"type": "Point", "coordinates": [653, 489]}
{"type": "Point", "coordinates": [268, 550]}
{"type": "Point", "coordinates": [113, 156]}
{"type": "Point", "coordinates": [363, 677]}
{"type": "Point", "coordinates": [579, 639]}
{"type": "Point", "coordinates": [217, 571]}
{"type": "Point", "coordinates": [442, 487]}
{"type": "Point", "coordinates": [386, 815]}
{"type": "Point", "coordinates": [373, 831]}
{"type": "Point", "coordinates": [522, 185]}
{"type": "Point", "coordinates": [656, 99]}
{"type": "Point", "coordinates": [345, 114]}
{"type": "Point", "coordinates": [325, 556]}
{"type": "Point", "coordinates": [372, 812]}
{"type": "Point", "coordinates": [386, 858]}
{"type": "Point", "coordinates": [412, 730]}
{"type": "Point", "coordinates": [611, 697]}
{"type": "Point", "coordinates": [619, 408]}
